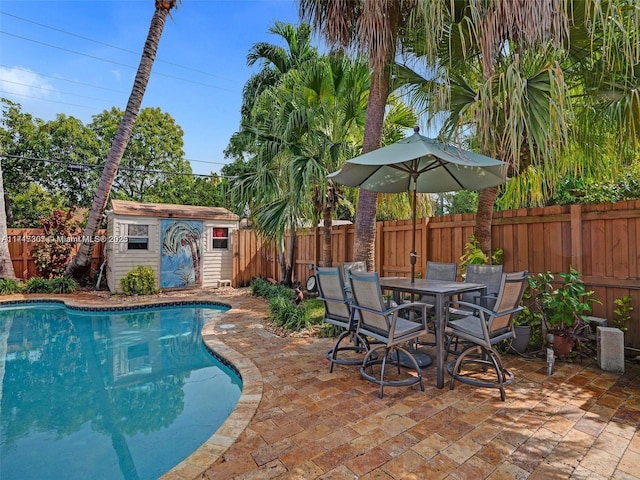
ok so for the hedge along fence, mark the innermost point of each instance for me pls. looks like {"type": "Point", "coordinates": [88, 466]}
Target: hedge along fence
{"type": "Point", "coordinates": [601, 241]}
{"type": "Point", "coordinates": [22, 240]}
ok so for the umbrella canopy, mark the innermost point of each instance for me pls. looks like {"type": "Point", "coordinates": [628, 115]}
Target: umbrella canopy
{"type": "Point", "coordinates": [420, 164]}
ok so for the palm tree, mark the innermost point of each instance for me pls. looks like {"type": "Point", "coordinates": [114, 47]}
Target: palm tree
{"type": "Point", "coordinates": [305, 128]}
{"type": "Point", "coordinates": [510, 77]}
{"type": "Point", "coordinates": [82, 261]}
{"type": "Point", "coordinates": [6, 266]}
{"type": "Point", "coordinates": [372, 26]}
{"type": "Point", "coordinates": [330, 102]}
{"type": "Point", "coordinates": [276, 61]}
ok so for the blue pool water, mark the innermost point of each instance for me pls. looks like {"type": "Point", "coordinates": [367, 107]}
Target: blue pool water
{"type": "Point", "coordinates": [124, 394]}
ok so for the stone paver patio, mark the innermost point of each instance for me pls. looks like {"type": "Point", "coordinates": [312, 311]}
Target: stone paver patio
{"type": "Point", "coordinates": [295, 420]}
{"type": "Point", "coordinates": [578, 423]}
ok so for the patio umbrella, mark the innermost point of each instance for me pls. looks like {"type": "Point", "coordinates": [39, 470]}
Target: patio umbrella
{"type": "Point", "coordinates": [420, 164]}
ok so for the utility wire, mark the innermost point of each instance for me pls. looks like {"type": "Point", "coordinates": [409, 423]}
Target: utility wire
{"type": "Point", "coordinates": [113, 46]}
{"type": "Point", "coordinates": [120, 64]}
{"type": "Point", "coordinates": [49, 89]}
{"type": "Point", "coordinates": [62, 79]}
{"type": "Point", "coordinates": [47, 100]}
{"type": "Point", "coordinates": [95, 166]}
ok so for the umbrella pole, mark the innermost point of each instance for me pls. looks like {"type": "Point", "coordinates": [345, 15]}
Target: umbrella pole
{"type": "Point", "coordinates": [413, 253]}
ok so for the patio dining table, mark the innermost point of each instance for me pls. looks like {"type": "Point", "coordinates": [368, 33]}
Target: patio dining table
{"type": "Point", "coordinates": [442, 291]}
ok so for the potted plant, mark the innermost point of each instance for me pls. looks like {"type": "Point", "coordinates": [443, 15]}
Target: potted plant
{"type": "Point", "coordinates": [563, 310]}
{"type": "Point", "coordinates": [528, 323]}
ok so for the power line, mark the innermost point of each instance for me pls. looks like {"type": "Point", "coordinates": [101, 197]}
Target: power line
{"type": "Point", "coordinates": [47, 100]}
{"type": "Point", "coordinates": [120, 64]}
{"type": "Point", "coordinates": [113, 46]}
{"type": "Point", "coordinates": [48, 89]}
{"type": "Point", "coordinates": [63, 79]}
{"type": "Point", "coordinates": [186, 159]}
{"type": "Point", "coordinates": [90, 166]}
{"type": "Point", "coordinates": [206, 161]}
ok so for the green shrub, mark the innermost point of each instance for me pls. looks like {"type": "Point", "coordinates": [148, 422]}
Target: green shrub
{"type": "Point", "coordinates": [37, 285]}
{"type": "Point", "coordinates": [139, 281]}
{"type": "Point", "coordinates": [282, 311]}
{"type": "Point", "coordinates": [265, 289]}
{"type": "Point", "coordinates": [7, 287]}
{"type": "Point", "coordinates": [259, 287]}
{"type": "Point", "coordinates": [287, 314]}
{"type": "Point", "coordinates": [62, 285]}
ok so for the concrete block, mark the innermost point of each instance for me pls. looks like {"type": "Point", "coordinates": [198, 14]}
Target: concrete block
{"type": "Point", "coordinates": [224, 283]}
{"type": "Point", "coordinates": [610, 349]}
{"type": "Point", "coordinates": [594, 323]}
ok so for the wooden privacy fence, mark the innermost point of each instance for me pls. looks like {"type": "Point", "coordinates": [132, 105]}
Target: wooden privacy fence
{"type": "Point", "coordinates": [600, 241]}
{"type": "Point", "coordinates": [22, 240]}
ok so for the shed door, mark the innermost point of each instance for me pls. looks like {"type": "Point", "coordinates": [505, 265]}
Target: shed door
{"type": "Point", "coordinates": [181, 253]}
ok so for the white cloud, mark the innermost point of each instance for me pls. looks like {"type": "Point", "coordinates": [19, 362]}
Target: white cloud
{"type": "Point", "coordinates": [116, 73]}
{"type": "Point", "coordinates": [23, 82]}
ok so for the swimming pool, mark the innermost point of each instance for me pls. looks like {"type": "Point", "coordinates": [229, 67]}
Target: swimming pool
{"type": "Point", "coordinates": [118, 394]}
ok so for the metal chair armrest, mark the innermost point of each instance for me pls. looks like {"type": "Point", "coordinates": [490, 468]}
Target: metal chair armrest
{"type": "Point", "coordinates": [488, 311]}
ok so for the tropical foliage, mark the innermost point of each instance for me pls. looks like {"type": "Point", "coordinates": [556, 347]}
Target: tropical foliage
{"type": "Point", "coordinates": [301, 129]}
{"type": "Point", "coordinates": [546, 86]}
{"type": "Point", "coordinates": [41, 163]}
{"type": "Point", "coordinates": [52, 256]}
{"type": "Point", "coordinates": [283, 312]}
{"type": "Point", "coordinates": [49, 285]}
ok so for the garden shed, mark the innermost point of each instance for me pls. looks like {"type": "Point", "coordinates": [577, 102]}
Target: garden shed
{"type": "Point", "coordinates": [186, 246]}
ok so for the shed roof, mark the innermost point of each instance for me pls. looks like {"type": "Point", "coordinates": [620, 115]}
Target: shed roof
{"type": "Point", "coordinates": [167, 210]}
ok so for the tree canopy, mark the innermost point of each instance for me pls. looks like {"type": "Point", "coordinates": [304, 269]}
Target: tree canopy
{"type": "Point", "coordinates": [60, 161]}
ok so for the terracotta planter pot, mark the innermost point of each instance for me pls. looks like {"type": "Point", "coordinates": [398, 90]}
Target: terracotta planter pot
{"type": "Point", "coordinates": [562, 345]}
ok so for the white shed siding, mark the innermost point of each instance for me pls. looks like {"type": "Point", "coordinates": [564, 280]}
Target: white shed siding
{"type": "Point", "coordinates": [217, 263]}
{"type": "Point", "coordinates": [121, 260]}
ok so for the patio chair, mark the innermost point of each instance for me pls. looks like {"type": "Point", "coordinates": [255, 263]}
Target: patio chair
{"type": "Point", "coordinates": [436, 271]}
{"type": "Point", "coordinates": [347, 267]}
{"type": "Point", "coordinates": [489, 275]}
{"type": "Point", "coordinates": [439, 271]}
{"type": "Point", "coordinates": [337, 311]}
{"type": "Point", "coordinates": [388, 327]}
{"type": "Point", "coordinates": [482, 329]}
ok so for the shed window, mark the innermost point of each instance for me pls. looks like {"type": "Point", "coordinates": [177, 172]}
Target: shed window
{"type": "Point", "coordinates": [138, 237]}
{"type": "Point", "coordinates": [220, 237]}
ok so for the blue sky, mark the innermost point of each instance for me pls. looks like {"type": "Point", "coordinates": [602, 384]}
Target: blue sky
{"type": "Point", "coordinates": [59, 57]}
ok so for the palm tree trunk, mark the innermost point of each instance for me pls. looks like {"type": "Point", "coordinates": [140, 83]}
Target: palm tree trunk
{"type": "Point", "coordinates": [288, 278]}
{"type": "Point", "coordinates": [80, 264]}
{"type": "Point", "coordinates": [484, 219]}
{"type": "Point", "coordinates": [365, 230]}
{"type": "Point", "coordinates": [6, 266]}
{"type": "Point", "coordinates": [327, 223]}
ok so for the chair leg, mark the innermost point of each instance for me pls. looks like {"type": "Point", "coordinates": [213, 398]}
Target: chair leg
{"type": "Point", "coordinates": [370, 360]}
{"type": "Point", "coordinates": [489, 357]}
{"type": "Point", "coordinates": [360, 344]}
{"type": "Point", "coordinates": [382, 369]}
